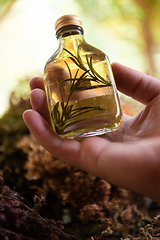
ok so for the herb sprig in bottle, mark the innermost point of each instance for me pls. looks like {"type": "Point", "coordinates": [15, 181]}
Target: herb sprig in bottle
{"type": "Point", "coordinates": [81, 92]}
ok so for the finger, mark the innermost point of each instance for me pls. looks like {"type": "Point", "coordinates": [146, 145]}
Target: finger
{"type": "Point", "coordinates": [131, 166]}
{"type": "Point", "coordinates": [44, 134]}
{"type": "Point", "coordinates": [39, 103]}
{"type": "Point", "coordinates": [135, 84]}
{"type": "Point", "coordinates": [37, 82]}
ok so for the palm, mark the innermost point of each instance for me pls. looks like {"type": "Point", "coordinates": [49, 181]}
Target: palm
{"type": "Point", "coordinates": [142, 126]}
{"type": "Point", "coordinates": [128, 157]}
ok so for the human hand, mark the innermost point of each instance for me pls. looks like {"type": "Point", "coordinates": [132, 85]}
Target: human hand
{"type": "Point", "coordinates": [128, 157]}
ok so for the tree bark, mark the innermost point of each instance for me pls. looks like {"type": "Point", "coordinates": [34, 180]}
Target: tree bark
{"type": "Point", "coordinates": [147, 8]}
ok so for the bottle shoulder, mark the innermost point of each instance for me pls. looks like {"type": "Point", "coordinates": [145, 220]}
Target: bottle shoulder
{"type": "Point", "coordinates": [81, 48]}
{"type": "Point", "coordinates": [55, 55]}
{"type": "Point", "coordinates": [87, 48]}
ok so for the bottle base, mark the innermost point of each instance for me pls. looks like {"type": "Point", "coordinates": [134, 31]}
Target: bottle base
{"type": "Point", "coordinates": [90, 132]}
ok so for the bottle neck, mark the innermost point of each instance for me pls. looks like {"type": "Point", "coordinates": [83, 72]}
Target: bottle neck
{"type": "Point", "coordinates": [70, 37]}
{"type": "Point", "coordinates": [68, 31]}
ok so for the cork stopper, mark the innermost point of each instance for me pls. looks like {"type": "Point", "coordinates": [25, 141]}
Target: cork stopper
{"type": "Point", "coordinates": [66, 20]}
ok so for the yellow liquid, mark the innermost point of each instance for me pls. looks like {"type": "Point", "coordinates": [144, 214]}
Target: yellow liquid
{"type": "Point", "coordinates": [92, 108]}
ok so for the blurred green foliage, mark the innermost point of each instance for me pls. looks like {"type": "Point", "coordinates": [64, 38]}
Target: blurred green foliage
{"type": "Point", "coordinates": [5, 2]}
{"type": "Point", "coordinates": [134, 21]}
{"type": "Point", "coordinates": [5, 6]}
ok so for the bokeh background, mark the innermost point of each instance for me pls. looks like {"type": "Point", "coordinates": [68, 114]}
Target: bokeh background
{"type": "Point", "coordinates": [128, 31]}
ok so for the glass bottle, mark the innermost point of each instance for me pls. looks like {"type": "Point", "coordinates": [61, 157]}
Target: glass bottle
{"type": "Point", "coordinates": [81, 92]}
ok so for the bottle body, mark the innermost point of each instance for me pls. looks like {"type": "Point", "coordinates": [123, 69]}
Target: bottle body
{"type": "Point", "coordinates": [81, 92]}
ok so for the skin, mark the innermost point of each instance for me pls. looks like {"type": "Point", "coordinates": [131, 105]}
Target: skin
{"type": "Point", "coordinates": [127, 158]}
